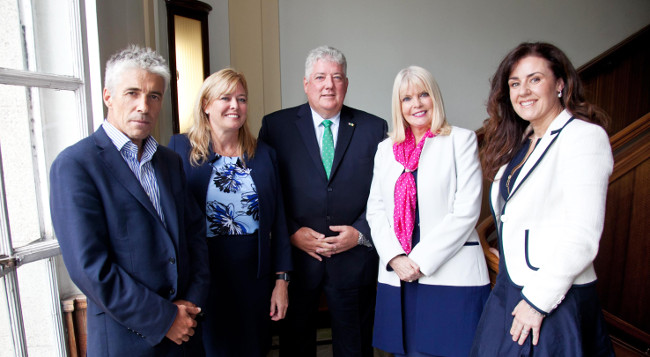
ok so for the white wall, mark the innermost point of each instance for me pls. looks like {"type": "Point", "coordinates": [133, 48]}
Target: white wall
{"type": "Point", "coordinates": [122, 22]}
{"type": "Point", "coordinates": [218, 31]}
{"type": "Point", "coordinates": [461, 42]}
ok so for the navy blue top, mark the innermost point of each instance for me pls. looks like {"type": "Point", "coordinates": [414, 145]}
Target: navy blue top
{"type": "Point", "coordinates": [519, 157]}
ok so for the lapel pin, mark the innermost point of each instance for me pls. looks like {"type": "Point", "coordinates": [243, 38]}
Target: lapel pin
{"type": "Point", "coordinates": [350, 124]}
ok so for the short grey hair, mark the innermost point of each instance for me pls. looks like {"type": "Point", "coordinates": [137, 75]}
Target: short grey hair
{"type": "Point", "coordinates": [136, 57]}
{"type": "Point", "coordinates": [326, 53]}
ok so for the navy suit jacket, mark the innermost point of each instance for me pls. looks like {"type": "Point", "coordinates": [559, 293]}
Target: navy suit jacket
{"type": "Point", "coordinates": [274, 252]}
{"type": "Point", "coordinates": [117, 250]}
{"type": "Point", "coordinates": [313, 201]}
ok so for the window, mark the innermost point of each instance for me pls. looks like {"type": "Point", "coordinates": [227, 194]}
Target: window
{"type": "Point", "coordinates": [45, 106]}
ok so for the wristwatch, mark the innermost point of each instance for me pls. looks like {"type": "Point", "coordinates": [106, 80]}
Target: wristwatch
{"type": "Point", "coordinates": [363, 241]}
{"type": "Point", "coordinates": [283, 276]}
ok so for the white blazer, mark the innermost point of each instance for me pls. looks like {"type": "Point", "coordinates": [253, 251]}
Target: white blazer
{"type": "Point", "coordinates": [449, 198]}
{"type": "Point", "coordinates": [551, 223]}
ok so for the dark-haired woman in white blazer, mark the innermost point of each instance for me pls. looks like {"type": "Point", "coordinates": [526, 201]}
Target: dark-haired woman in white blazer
{"type": "Point", "coordinates": [423, 205]}
{"type": "Point", "coordinates": [550, 160]}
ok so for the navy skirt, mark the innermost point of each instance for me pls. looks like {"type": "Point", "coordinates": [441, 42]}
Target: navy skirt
{"type": "Point", "coordinates": [576, 328]}
{"type": "Point", "coordinates": [427, 320]}
{"type": "Point", "coordinates": [237, 321]}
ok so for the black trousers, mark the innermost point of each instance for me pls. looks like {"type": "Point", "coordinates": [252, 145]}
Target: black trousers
{"type": "Point", "coordinates": [352, 314]}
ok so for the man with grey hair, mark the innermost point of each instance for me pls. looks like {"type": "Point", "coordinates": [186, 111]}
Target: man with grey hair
{"type": "Point", "coordinates": [325, 153]}
{"type": "Point", "coordinates": [131, 236]}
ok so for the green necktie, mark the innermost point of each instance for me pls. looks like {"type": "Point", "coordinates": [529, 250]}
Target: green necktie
{"type": "Point", "coordinates": [327, 152]}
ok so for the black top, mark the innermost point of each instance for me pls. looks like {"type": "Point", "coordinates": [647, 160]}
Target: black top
{"type": "Point", "coordinates": [519, 157]}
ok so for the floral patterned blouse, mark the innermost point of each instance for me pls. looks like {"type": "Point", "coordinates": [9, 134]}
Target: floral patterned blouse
{"type": "Point", "coordinates": [231, 204]}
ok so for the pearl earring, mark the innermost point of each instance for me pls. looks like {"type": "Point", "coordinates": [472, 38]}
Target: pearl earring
{"type": "Point", "coordinates": [559, 94]}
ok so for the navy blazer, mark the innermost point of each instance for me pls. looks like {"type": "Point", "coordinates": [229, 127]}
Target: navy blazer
{"type": "Point", "coordinates": [117, 250]}
{"type": "Point", "coordinates": [313, 201]}
{"type": "Point", "coordinates": [274, 252]}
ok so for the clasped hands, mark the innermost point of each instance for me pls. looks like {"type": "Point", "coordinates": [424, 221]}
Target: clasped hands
{"type": "Point", "coordinates": [318, 245]}
{"type": "Point", "coordinates": [406, 268]}
{"type": "Point", "coordinates": [184, 323]}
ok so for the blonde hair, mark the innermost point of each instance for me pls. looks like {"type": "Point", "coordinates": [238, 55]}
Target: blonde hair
{"type": "Point", "coordinates": [417, 77]}
{"type": "Point", "coordinates": [217, 84]}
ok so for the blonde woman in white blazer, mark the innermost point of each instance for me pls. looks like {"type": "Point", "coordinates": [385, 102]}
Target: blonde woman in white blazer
{"type": "Point", "coordinates": [433, 280]}
{"type": "Point", "coordinates": [550, 159]}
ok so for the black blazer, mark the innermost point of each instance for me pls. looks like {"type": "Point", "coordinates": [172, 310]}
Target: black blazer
{"type": "Point", "coordinates": [128, 263]}
{"type": "Point", "coordinates": [313, 201]}
{"type": "Point", "coordinates": [274, 252]}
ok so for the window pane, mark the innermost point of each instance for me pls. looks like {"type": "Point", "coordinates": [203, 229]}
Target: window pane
{"type": "Point", "coordinates": [48, 47]}
{"type": "Point", "coordinates": [18, 166]}
{"type": "Point", "coordinates": [189, 62]}
{"type": "Point", "coordinates": [6, 340]}
{"type": "Point", "coordinates": [10, 40]}
{"type": "Point", "coordinates": [53, 130]}
{"type": "Point", "coordinates": [53, 29]}
{"type": "Point", "coordinates": [35, 296]}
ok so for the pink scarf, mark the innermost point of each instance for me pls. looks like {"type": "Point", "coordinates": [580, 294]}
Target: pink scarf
{"type": "Point", "coordinates": [407, 154]}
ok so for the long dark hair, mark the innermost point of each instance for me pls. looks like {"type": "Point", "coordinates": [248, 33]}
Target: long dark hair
{"type": "Point", "coordinates": [504, 128]}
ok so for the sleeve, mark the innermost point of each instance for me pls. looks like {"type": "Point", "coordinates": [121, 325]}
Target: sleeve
{"type": "Point", "coordinates": [280, 243]}
{"type": "Point", "coordinates": [449, 236]}
{"type": "Point", "coordinates": [198, 249]}
{"type": "Point", "coordinates": [264, 132]}
{"type": "Point", "coordinates": [265, 136]}
{"type": "Point", "coordinates": [79, 220]}
{"type": "Point", "coordinates": [361, 224]}
{"type": "Point", "coordinates": [379, 218]}
{"type": "Point", "coordinates": [583, 178]}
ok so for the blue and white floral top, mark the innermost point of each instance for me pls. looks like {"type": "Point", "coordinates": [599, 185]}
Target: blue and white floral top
{"type": "Point", "coordinates": [232, 206]}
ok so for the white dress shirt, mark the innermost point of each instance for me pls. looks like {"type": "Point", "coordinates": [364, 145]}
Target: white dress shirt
{"type": "Point", "coordinates": [319, 128]}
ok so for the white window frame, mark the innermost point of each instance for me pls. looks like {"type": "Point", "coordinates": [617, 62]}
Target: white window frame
{"type": "Point", "coordinates": [46, 248]}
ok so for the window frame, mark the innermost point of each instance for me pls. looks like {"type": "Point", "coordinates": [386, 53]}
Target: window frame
{"type": "Point", "coordinates": [85, 67]}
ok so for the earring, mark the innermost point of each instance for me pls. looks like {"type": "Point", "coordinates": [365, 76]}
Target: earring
{"type": "Point", "coordinates": [559, 94]}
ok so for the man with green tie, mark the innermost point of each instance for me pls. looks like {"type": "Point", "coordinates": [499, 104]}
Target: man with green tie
{"type": "Point", "coordinates": [325, 153]}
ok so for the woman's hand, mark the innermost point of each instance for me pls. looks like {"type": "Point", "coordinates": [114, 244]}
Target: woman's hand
{"type": "Point", "coordinates": [406, 269]}
{"type": "Point", "coordinates": [279, 300]}
{"type": "Point", "coordinates": [526, 320]}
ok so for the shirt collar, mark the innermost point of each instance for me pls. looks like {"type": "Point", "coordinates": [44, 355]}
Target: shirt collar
{"type": "Point", "coordinates": [318, 119]}
{"type": "Point", "coordinates": [121, 141]}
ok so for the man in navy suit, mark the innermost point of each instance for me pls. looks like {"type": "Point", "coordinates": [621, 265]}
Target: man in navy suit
{"type": "Point", "coordinates": [325, 153]}
{"type": "Point", "coordinates": [131, 236]}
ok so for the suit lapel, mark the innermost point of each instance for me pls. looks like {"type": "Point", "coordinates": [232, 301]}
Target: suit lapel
{"type": "Point", "coordinates": [552, 133]}
{"type": "Point", "coordinates": [346, 129]}
{"type": "Point", "coordinates": [119, 168]}
{"type": "Point", "coordinates": [305, 124]}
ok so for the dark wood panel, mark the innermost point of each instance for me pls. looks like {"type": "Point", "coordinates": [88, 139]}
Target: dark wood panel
{"type": "Point", "coordinates": [618, 81]}
{"type": "Point", "coordinates": [622, 265]}
{"type": "Point", "coordinates": [636, 299]}
{"type": "Point", "coordinates": [610, 261]}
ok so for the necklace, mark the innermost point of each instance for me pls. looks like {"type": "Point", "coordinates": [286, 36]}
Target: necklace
{"type": "Point", "coordinates": [519, 165]}
{"type": "Point", "coordinates": [223, 152]}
